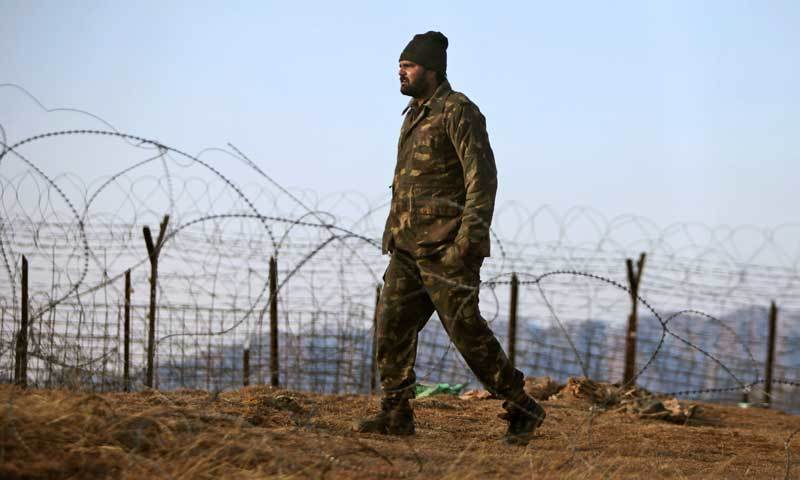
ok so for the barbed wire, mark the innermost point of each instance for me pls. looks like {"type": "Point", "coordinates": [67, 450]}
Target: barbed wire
{"type": "Point", "coordinates": [373, 243]}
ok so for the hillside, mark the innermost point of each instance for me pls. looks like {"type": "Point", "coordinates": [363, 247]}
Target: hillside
{"type": "Point", "coordinates": [259, 432]}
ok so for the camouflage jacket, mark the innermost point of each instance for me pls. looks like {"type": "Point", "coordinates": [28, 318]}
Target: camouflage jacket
{"type": "Point", "coordinates": [445, 180]}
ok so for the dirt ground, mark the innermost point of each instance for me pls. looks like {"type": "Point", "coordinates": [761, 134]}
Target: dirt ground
{"type": "Point", "coordinates": [259, 432]}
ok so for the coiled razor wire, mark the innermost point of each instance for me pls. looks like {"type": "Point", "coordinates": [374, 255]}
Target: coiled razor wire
{"type": "Point", "coordinates": [331, 227]}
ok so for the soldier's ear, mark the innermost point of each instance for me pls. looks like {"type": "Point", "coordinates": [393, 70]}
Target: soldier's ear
{"type": "Point", "coordinates": [430, 76]}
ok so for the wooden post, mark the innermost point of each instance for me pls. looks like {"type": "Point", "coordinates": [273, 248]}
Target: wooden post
{"type": "Point", "coordinates": [126, 358]}
{"type": "Point", "coordinates": [21, 365]}
{"type": "Point", "coordinates": [373, 379]}
{"type": "Point", "coordinates": [273, 322]}
{"type": "Point", "coordinates": [153, 250]}
{"type": "Point", "coordinates": [773, 324]}
{"type": "Point", "coordinates": [246, 367]}
{"type": "Point", "coordinates": [512, 319]}
{"type": "Point", "coordinates": [634, 276]}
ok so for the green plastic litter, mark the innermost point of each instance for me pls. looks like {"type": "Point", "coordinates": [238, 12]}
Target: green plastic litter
{"type": "Point", "coordinates": [438, 389]}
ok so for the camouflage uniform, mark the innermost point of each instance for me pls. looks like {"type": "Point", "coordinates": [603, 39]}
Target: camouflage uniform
{"type": "Point", "coordinates": [438, 230]}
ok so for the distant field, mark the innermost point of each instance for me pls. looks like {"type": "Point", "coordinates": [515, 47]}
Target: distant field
{"type": "Point", "coordinates": [259, 432]}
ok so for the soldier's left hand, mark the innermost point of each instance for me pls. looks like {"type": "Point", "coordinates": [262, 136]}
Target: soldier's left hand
{"type": "Point", "coordinates": [452, 255]}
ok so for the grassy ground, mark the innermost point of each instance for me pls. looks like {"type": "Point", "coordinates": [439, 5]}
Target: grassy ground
{"type": "Point", "coordinates": [259, 432]}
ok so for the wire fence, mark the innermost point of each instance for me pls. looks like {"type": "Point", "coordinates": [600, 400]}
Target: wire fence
{"type": "Point", "coordinates": [704, 297]}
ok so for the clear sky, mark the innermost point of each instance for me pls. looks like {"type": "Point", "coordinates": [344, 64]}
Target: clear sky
{"type": "Point", "coordinates": [677, 111]}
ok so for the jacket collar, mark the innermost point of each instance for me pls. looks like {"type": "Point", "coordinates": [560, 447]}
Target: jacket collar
{"type": "Point", "coordinates": [435, 104]}
{"type": "Point", "coordinates": [436, 101]}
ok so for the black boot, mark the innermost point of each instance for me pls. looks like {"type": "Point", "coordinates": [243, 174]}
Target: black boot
{"type": "Point", "coordinates": [395, 418]}
{"type": "Point", "coordinates": [524, 417]}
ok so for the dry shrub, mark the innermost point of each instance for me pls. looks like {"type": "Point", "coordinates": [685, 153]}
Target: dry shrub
{"type": "Point", "coordinates": [541, 388]}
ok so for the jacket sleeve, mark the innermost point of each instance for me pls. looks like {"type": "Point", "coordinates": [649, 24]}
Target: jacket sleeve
{"type": "Point", "coordinates": [467, 130]}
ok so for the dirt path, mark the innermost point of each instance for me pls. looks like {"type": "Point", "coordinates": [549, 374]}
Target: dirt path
{"type": "Point", "coordinates": [258, 432]}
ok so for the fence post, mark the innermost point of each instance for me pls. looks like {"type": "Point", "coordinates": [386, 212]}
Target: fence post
{"type": "Point", "coordinates": [273, 322]}
{"type": "Point", "coordinates": [21, 365]}
{"type": "Point", "coordinates": [634, 276]}
{"type": "Point", "coordinates": [512, 319]}
{"type": "Point", "coordinates": [373, 378]}
{"type": "Point", "coordinates": [153, 250]}
{"type": "Point", "coordinates": [773, 324]}
{"type": "Point", "coordinates": [246, 367]}
{"type": "Point", "coordinates": [126, 360]}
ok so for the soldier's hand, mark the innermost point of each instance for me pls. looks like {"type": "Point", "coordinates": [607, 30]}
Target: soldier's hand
{"type": "Point", "coordinates": [452, 255]}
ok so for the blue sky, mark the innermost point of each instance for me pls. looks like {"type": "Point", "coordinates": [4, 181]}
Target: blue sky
{"type": "Point", "coordinates": [677, 111]}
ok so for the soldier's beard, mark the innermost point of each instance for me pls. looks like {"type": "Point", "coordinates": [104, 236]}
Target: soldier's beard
{"type": "Point", "coordinates": [414, 89]}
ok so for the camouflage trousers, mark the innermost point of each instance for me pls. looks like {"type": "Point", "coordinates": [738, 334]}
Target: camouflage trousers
{"type": "Point", "coordinates": [413, 289]}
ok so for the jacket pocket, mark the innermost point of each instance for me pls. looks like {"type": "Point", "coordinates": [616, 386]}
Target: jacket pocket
{"type": "Point", "coordinates": [424, 158]}
{"type": "Point", "coordinates": [436, 223]}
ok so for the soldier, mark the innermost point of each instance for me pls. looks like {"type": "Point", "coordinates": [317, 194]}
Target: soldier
{"type": "Point", "coordinates": [438, 235]}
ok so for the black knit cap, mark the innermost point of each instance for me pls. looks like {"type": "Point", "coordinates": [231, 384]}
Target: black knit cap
{"type": "Point", "coordinates": [427, 49]}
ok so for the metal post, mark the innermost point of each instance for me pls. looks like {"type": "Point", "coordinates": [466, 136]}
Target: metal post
{"type": "Point", "coordinates": [21, 366]}
{"type": "Point", "coordinates": [153, 250]}
{"type": "Point", "coordinates": [634, 276]}
{"type": "Point", "coordinates": [246, 367]}
{"type": "Point", "coordinates": [512, 319]}
{"type": "Point", "coordinates": [773, 324]}
{"type": "Point", "coordinates": [373, 382]}
{"type": "Point", "coordinates": [273, 322]}
{"type": "Point", "coordinates": [126, 359]}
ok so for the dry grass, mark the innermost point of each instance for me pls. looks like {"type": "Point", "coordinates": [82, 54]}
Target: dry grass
{"type": "Point", "coordinates": [259, 432]}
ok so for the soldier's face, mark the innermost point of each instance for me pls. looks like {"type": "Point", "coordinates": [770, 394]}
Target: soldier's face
{"type": "Point", "coordinates": [414, 79]}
